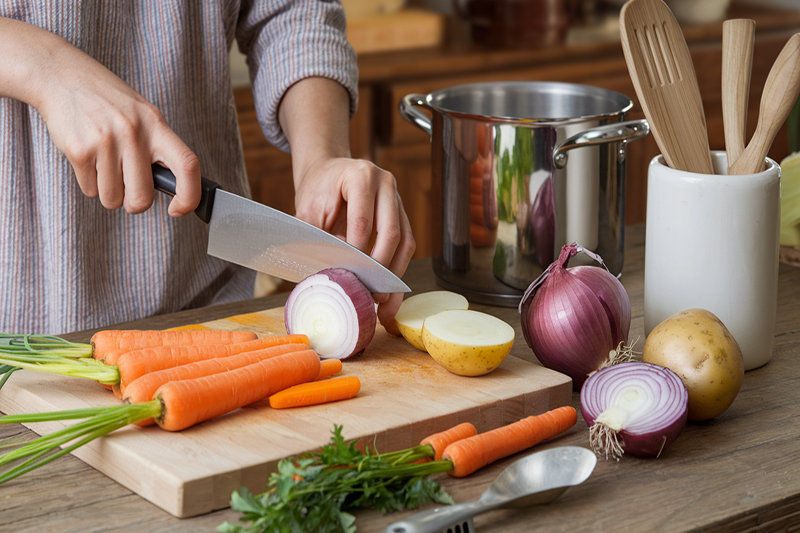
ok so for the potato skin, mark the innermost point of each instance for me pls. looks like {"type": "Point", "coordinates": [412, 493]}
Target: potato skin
{"type": "Point", "coordinates": [698, 347]}
{"type": "Point", "coordinates": [465, 360]}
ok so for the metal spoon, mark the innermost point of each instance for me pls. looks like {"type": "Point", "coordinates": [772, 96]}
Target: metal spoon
{"type": "Point", "coordinates": [536, 479]}
{"type": "Point", "coordinates": [779, 96]}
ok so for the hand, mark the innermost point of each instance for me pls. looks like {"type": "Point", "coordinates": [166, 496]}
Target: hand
{"type": "Point", "coordinates": [352, 199]}
{"type": "Point", "coordinates": [109, 133]}
{"type": "Point", "coordinates": [359, 203]}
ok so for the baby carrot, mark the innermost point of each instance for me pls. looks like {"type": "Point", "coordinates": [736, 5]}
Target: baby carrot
{"type": "Point", "coordinates": [137, 363]}
{"type": "Point", "coordinates": [473, 453]}
{"type": "Point", "coordinates": [440, 441]}
{"type": "Point", "coordinates": [110, 340]}
{"type": "Point", "coordinates": [191, 401]}
{"type": "Point", "coordinates": [316, 392]}
{"type": "Point", "coordinates": [328, 368]}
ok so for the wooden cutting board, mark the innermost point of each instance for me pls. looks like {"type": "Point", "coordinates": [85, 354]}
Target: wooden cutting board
{"type": "Point", "coordinates": [405, 396]}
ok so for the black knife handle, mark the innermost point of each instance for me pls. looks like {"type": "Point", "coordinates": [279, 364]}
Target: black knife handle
{"type": "Point", "coordinates": [164, 181]}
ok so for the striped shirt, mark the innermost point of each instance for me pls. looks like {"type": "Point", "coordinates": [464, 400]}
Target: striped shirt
{"type": "Point", "coordinates": [66, 263]}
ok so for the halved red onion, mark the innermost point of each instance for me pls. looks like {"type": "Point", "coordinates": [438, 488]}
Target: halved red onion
{"type": "Point", "coordinates": [576, 320]}
{"type": "Point", "coordinates": [335, 310]}
{"type": "Point", "coordinates": [635, 408]}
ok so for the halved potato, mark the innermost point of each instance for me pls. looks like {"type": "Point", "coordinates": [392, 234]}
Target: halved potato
{"type": "Point", "coordinates": [467, 343]}
{"type": "Point", "coordinates": [414, 310]}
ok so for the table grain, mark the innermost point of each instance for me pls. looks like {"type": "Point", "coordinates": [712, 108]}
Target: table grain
{"type": "Point", "coordinates": [737, 472]}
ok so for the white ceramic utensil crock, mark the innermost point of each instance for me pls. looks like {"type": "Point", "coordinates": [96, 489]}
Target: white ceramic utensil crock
{"type": "Point", "coordinates": [711, 242]}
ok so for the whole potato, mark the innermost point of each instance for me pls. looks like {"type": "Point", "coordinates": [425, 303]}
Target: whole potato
{"type": "Point", "coordinates": [697, 346]}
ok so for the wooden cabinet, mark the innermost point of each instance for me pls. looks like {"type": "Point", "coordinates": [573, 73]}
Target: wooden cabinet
{"type": "Point", "coordinates": [380, 134]}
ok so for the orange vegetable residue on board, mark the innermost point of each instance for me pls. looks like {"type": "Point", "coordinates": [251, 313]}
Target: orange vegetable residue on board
{"type": "Point", "coordinates": [257, 320]}
{"type": "Point", "coordinates": [188, 327]}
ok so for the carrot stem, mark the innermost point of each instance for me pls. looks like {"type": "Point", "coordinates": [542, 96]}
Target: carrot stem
{"type": "Point", "coordinates": [82, 367]}
{"type": "Point", "coordinates": [6, 370]}
{"type": "Point", "coordinates": [47, 448]}
{"type": "Point", "coordinates": [42, 344]}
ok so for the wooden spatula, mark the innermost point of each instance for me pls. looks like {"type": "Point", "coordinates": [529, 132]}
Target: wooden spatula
{"type": "Point", "coordinates": [663, 75]}
{"type": "Point", "coordinates": [737, 64]}
{"type": "Point", "coordinates": [780, 94]}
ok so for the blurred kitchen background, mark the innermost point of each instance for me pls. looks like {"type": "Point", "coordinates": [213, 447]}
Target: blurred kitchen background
{"type": "Point", "coordinates": [419, 46]}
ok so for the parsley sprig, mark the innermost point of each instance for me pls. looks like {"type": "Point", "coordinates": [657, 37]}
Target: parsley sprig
{"type": "Point", "coordinates": [313, 492]}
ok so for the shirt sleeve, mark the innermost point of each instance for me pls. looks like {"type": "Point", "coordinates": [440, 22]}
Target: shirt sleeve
{"type": "Point", "coordinates": [286, 41]}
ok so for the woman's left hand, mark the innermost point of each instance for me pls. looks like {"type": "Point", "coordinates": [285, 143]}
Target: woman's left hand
{"type": "Point", "coordinates": [350, 198]}
{"type": "Point", "coordinates": [359, 203]}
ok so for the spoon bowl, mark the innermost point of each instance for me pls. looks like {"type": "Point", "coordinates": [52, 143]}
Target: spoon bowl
{"type": "Point", "coordinates": [536, 479]}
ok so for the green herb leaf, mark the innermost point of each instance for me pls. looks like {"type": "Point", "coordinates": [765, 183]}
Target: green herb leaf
{"type": "Point", "coordinates": [313, 492]}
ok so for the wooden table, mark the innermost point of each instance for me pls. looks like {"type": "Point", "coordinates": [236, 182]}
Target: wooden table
{"type": "Point", "coordinates": [738, 472]}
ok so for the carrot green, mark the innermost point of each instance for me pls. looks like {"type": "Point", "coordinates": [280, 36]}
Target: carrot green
{"type": "Point", "coordinates": [313, 492]}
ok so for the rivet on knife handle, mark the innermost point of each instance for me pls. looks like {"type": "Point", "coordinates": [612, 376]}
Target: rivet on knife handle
{"type": "Point", "coordinates": [164, 181]}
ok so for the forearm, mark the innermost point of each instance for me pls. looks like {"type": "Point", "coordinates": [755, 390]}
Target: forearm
{"type": "Point", "coordinates": [314, 115]}
{"type": "Point", "coordinates": [29, 56]}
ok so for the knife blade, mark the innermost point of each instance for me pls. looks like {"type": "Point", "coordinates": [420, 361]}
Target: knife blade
{"type": "Point", "coordinates": [256, 236]}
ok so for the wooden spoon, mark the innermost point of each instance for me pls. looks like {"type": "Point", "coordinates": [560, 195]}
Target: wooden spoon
{"type": "Point", "coordinates": [780, 94]}
{"type": "Point", "coordinates": [737, 63]}
{"type": "Point", "coordinates": [663, 75]}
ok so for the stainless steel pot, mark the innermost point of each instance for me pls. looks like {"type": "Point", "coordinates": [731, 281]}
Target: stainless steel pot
{"type": "Point", "coordinates": [520, 169]}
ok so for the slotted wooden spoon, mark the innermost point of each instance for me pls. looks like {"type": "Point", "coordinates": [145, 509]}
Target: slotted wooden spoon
{"type": "Point", "coordinates": [780, 94]}
{"type": "Point", "coordinates": [663, 75]}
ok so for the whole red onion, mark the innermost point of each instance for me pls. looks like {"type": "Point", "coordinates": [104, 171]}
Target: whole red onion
{"type": "Point", "coordinates": [575, 319]}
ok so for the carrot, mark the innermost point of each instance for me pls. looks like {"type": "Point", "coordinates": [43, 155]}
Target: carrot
{"type": "Point", "coordinates": [137, 363]}
{"type": "Point", "coordinates": [316, 392]}
{"type": "Point", "coordinates": [473, 453]}
{"type": "Point", "coordinates": [144, 388]}
{"type": "Point", "coordinates": [110, 340]}
{"type": "Point", "coordinates": [328, 368]}
{"type": "Point", "coordinates": [440, 441]}
{"type": "Point", "coordinates": [175, 406]}
{"type": "Point", "coordinates": [191, 401]}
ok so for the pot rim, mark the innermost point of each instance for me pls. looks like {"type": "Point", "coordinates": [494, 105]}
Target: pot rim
{"type": "Point", "coordinates": [625, 104]}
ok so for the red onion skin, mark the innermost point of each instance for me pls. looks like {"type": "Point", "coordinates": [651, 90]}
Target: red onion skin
{"type": "Point", "coordinates": [642, 444]}
{"type": "Point", "coordinates": [360, 297]}
{"type": "Point", "coordinates": [576, 317]}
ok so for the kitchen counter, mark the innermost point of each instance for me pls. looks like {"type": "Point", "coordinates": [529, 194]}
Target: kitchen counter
{"type": "Point", "coordinates": [738, 472]}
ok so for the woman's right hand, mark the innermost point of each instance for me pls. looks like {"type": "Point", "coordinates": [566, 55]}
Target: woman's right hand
{"type": "Point", "coordinates": [109, 133]}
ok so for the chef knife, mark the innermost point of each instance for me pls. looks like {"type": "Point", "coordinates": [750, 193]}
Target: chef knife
{"type": "Point", "coordinates": [259, 237]}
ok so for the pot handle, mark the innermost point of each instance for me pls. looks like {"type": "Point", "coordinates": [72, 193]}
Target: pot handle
{"type": "Point", "coordinates": [409, 112]}
{"type": "Point", "coordinates": [620, 132]}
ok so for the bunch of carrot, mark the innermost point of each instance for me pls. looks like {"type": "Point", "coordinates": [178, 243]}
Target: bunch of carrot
{"type": "Point", "coordinates": [173, 378]}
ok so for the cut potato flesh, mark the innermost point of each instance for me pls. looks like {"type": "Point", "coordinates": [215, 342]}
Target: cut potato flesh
{"type": "Point", "coordinates": [414, 310]}
{"type": "Point", "coordinates": [468, 343]}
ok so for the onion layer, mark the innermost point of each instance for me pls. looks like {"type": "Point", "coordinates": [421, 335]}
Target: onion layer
{"type": "Point", "coordinates": [576, 320]}
{"type": "Point", "coordinates": [335, 310]}
{"type": "Point", "coordinates": [636, 408]}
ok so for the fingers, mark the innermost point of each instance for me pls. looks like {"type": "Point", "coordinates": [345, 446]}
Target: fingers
{"type": "Point", "coordinates": [177, 157]}
{"type": "Point", "coordinates": [137, 178]}
{"type": "Point", "coordinates": [387, 311]}
{"type": "Point", "coordinates": [373, 205]}
{"type": "Point", "coordinates": [360, 195]}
